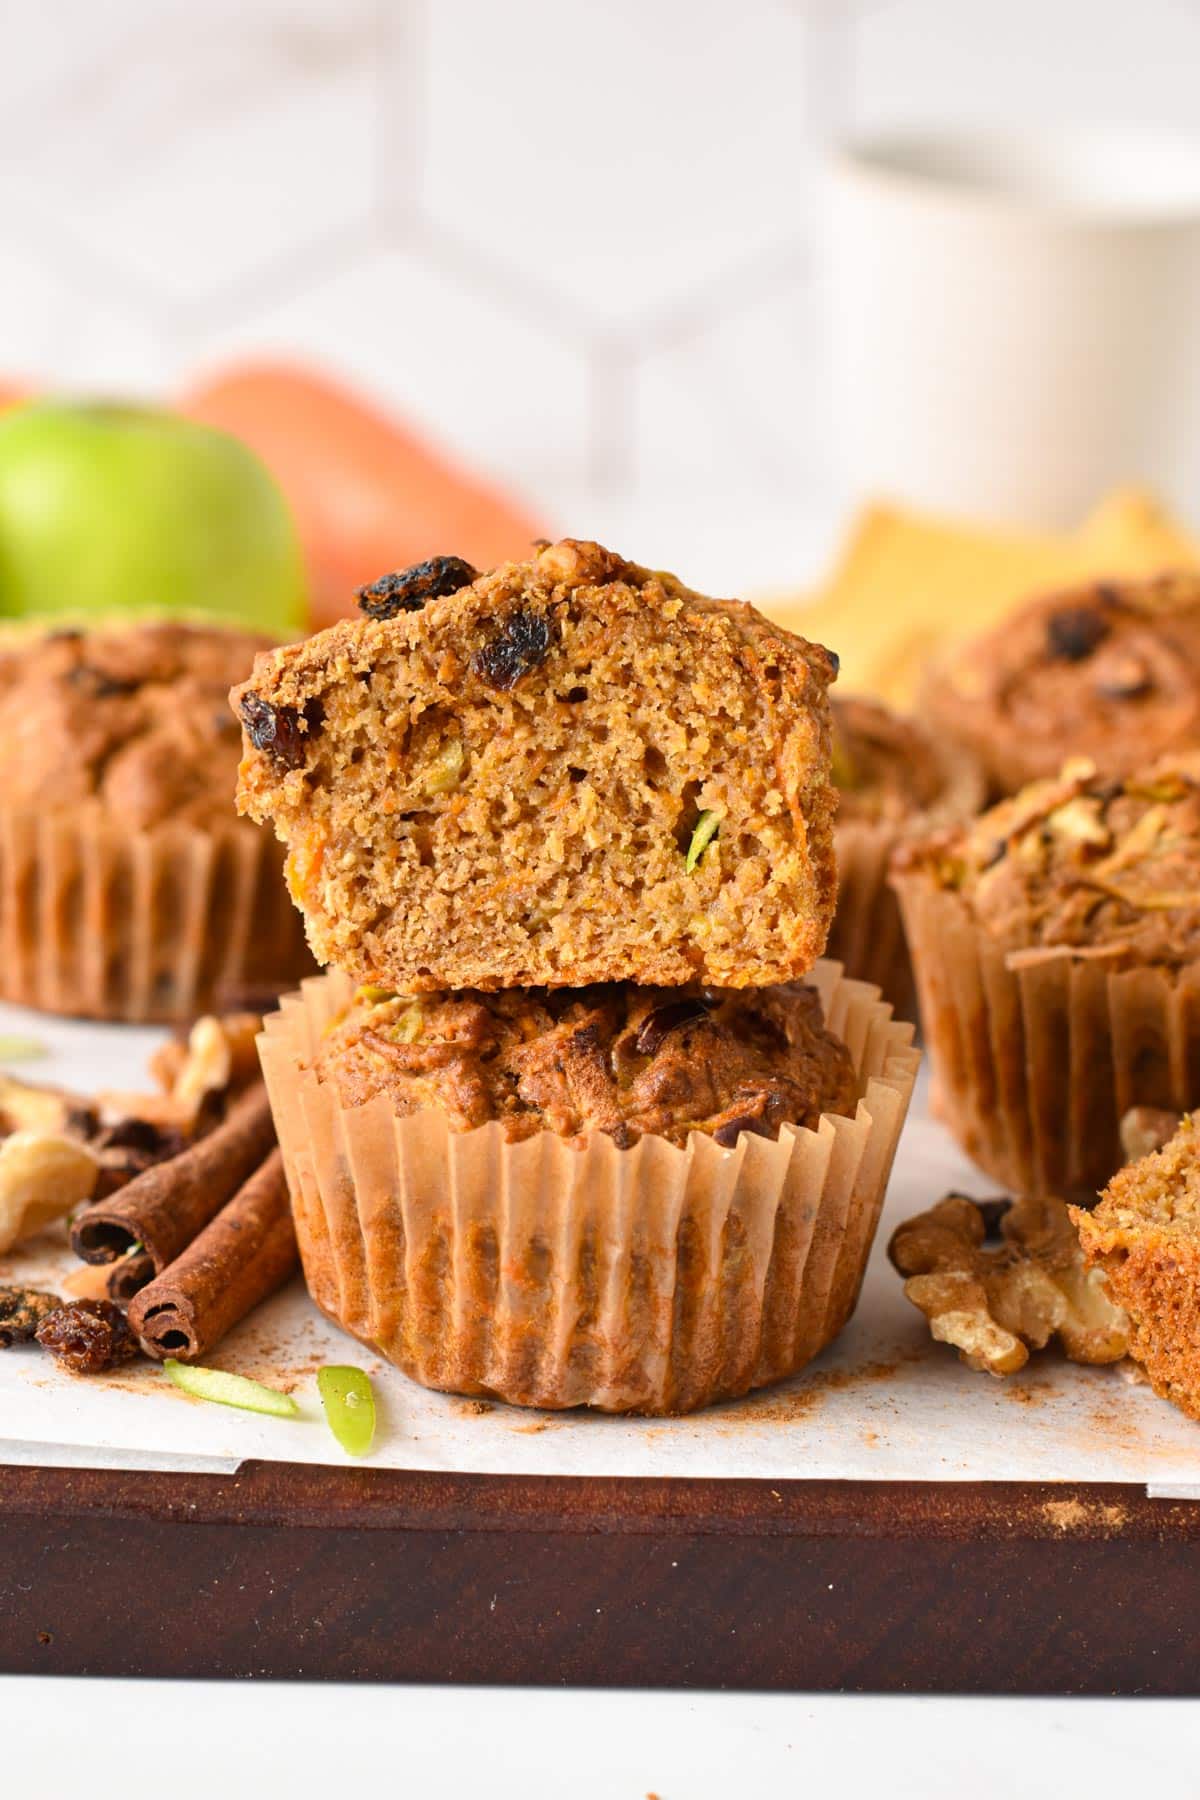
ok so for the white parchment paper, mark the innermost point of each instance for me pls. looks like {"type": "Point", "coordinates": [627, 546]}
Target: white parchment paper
{"type": "Point", "coordinates": [883, 1403]}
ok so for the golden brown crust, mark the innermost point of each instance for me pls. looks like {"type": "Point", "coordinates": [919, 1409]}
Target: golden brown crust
{"type": "Point", "coordinates": [624, 1060]}
{"type": "Point", "coordinates": [501, 788]}
{"type": "Point", "coordinates": [1082, 865]}
{"type": "Point", "coordinates": [133, 717]}
{"type": "Point", "coordinates": [1145, 1236]}
{"type": "Point", "coordinates": [1110, 671]}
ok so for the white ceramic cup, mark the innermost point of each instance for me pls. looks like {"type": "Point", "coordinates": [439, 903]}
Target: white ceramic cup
{"type": "Point", "coordinates": [1015, 322]}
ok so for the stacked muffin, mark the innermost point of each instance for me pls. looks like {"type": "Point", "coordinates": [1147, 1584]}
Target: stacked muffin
{"type": "Point", "coordinates": [129, 889]}
{"type": "Point", "coordinates": [566, 1124]}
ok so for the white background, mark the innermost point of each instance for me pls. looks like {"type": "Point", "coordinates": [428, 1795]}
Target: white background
{"type": "Point", "coordinates": [575, 240]}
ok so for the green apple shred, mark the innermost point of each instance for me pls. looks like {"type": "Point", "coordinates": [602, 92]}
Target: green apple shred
{"type": "Point", "coordinates": [230, 1390]}
{"type": "Point", "coordinates": [707, 826]}
{"type": "Point", "coordinates": [349, 1403]}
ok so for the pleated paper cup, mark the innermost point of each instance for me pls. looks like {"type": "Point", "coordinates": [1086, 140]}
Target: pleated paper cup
{"type": "Point", "coordinates": [149, 926]}
{"type": "Point", "coordinates": [651, 1280]}
{"type": "Point", "coordinates": [1037, 1055]}
{"type": "Point", "coordinates": [867, 934]}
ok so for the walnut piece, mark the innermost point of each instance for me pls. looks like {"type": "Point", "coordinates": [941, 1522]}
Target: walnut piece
{"type": "Point", "coordinates": [42, 1176]}
{"type": "Point", "coordinates": [995, 1303]}
{"type": "Point", "coordinates": [1144, 1129]}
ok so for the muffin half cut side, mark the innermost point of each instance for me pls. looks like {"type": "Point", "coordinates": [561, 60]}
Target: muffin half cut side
{"type": "Point", "coordinates": [568, 771]}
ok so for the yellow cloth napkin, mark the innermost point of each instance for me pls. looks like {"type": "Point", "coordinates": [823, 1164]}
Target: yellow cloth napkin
{"type": "Point", "coordinates": [907, 585]}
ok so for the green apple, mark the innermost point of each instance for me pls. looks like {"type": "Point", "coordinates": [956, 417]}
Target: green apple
{"type": "Point", "coordinates": [127, 509]}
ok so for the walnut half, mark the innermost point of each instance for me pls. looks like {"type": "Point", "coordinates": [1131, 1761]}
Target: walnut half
{"type": "Point", "coordinates": [996, 1303]}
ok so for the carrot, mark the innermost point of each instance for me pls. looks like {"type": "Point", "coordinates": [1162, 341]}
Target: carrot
{"type": "Point", "coordinates": [10, 395]}
{"type": "Point", "coordinates": [369, 495]}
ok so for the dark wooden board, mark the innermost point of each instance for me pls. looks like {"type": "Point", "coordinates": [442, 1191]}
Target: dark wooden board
{"type": "Point", "coordinates": [295, 1572]}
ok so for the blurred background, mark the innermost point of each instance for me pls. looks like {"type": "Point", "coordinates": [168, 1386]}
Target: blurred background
{"type": "Point", "coordinates": [576, 246]}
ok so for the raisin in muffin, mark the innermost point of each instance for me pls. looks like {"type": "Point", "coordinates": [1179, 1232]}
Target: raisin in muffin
{"type": "Point", "coordinates": [568, 771]}
{"type": "Point", "coordinates": [1145, 1236]}
{"type": "Point", "coordinates": [1056, 945]}
{"type": "Point", "coordinates": [129, 889]}
{"type": "Point", "coordinates": [894, 780]}
{"type": "Point", "coordinates": [1110, 671]}
{"type": "Point", "coordinates": [619, 1059]}
{"type": "Point", "coordinates": [636, 1201]}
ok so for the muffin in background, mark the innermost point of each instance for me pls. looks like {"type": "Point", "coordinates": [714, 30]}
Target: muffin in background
{"type": "Point", "coordinates": [1110, 671]}
{"type": "Point", "coordinates": [129, 888]}
{"type": "Point", "coordinates": [1056, 947]}
{"type": "Point", "coordinates": [603, 1208]}
{"type": "Point", "coordinates": [894, 779]}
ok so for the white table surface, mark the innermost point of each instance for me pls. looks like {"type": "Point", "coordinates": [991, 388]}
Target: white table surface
{"type": "Point", "coordinates": [192, 1741]}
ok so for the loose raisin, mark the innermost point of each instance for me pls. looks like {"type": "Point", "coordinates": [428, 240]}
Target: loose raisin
{"type": "Point", "coordinates": [408, 590]}
{"type": "Point", "coordinates": [282, 732]}
{"type": "Point", "coordinates": [519, 646]}
{"type": "Point", "coordinates": [21, 1312]}
{"type": "Point", "coordinates": [1075, 632]}
{"type": "Point", "coordinates": [88, 1336]}
{"type": "Point", "coordinates": [658, 1025]}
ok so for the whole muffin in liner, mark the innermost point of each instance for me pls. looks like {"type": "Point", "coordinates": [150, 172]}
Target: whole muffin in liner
{"type": "Point", "coordinates": [97, 921]}
{"type": "Point", "coordinates": [895, 780]}
{"type": "Point", "coordinates": [129, 888]}
{"type": "Point", "coordinates": [1039, 1048]}
{"type": "Point", "coordinates": [652, 1279]}
{"type": "Point", "coordinates": [1108, 670]}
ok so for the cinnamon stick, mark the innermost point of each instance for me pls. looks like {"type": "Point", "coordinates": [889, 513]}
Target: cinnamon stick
{"type": "Point", "coordinates": [129, 1276]}
{"type": "Point", "coordinates": [170, 1203]}
{"type": "Point", "coordinates": [246, 1252]}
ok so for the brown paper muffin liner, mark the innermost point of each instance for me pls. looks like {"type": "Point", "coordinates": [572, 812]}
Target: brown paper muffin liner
{"type": "Point", "coordinates": [650, 1280]}
{"type": "Point", "coordinates": [1036, 1058]}
{"type": "Point", "coordinates": [150, 925]}
{"type": "Point", "coordinates": [867, 934]}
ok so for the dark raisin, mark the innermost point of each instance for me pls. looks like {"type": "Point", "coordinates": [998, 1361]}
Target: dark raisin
{"type": "Point", "coordinates": [282, 732]}
{"type": "Point", "coordinates": [658, 1025]}
{"type": "Point", "coordinates": [408, 590]}
{"type": "Point", "coordinates": [727, 1134]}
{"type": "Point", "coordinates": [622, 1136]}
{"type": "Point", "coordinates": [519, 646]}
{"type": "Point", "coordinates": [88, 1336]}
{"type": "Point", "coordinates": [22, 1311]}
{"type": "Point", "coordinates": [992, 1211]}
{"type": "Point", "coordinates": [98, 685]}
{"type": "Point", "coordinates": [1075, 632]}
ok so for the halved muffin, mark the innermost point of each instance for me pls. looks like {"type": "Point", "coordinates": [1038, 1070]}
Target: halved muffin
{"type": "Point", "coordinates": [568, 771]}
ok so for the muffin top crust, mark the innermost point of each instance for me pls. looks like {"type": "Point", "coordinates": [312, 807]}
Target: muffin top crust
{"type": "Point", "coordinates": [621, 1059]}
{"type": "Point", "coordinates": [132, 716]}
{"type": "Point", "coordinates": [889, 770]}
{"type": "Point", "coordinates": [1110, 671]}
{"type": "Point", "coordinates": [1082, 864]}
